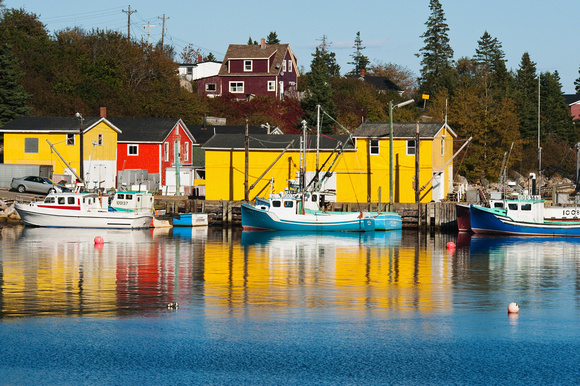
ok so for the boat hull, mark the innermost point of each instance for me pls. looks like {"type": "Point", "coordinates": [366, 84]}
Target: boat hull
{"type": "Point", "coordinates": [255, 218]}
{"type": "Point", "coordinates": [484, 221]}
{"type": "Point", "coordinates": [190, 220]}
{"type": "Point", "coordinates": [388, 221]}
{"type": "Point", "coordinates": [463, 218]}
{"type": "Point", "coordinates": [65, 218]}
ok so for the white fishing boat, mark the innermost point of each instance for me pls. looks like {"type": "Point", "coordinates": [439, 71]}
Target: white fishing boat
{"type": "Point", "coordinates": [80, 210]}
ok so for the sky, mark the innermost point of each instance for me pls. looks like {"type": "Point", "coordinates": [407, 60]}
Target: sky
{"type": "Point", "coordinates": [390, 30]}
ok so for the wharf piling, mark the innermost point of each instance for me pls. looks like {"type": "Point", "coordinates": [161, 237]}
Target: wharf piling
{"type": "Point", "coordinates": [434, 215]}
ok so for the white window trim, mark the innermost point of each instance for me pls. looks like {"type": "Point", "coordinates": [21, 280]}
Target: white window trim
{"type": "Point", "coordinates": [73, 139]}
{"type": "Point", "coordinates": [237, 84]}
{"type": "Point", "coordinates": [289, 65]}
{"type": "Point", "coordinates": [414, 147]}
{"type": "Point", "coordinates": [210, 84]}
{"type": "Point", "coordinates": [250, 67]}
{"type": "Point", "coordinates": [378, 149]}
{"type": "Point", "coordinates": [186, 152]}
{"type": "Point", "coordinates": [271, 85]}
{"type": "Point", "coordinates": [129, 150]}
{"type": "Point", "coordinates": [166, 151]}
{"type": "Point", "coordinates": [284, 65]}
{"type": "Point", "coordinates": [442, 147]}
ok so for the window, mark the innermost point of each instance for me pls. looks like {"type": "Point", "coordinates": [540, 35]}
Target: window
{"type": "Point", "coordinates": [31, 145]}
{"type": "Point", "coordinates": [271, 85]}
{"type": "Point", "coordinates": [284, 66]}
{"type": "Point", "coordinates": [276, 204]}
{"type": "Point", "coordinates": [411, 148]}
{"type": "Point", "coordinates": [189, 70]}
{"type": "Point", "coordinates": [236, 87]}
{"type": "Point", "coordinates": [210, 87]}
{"type": "Point", "coordinates": [61, 201]}
{"type": "Point", "coordinates": [166, 151]}
{"type": "Point", "coordinates": [513, 206]}
{"type": "Point", "coordinates": [374, 146]}
{"type": "Point", "coordinates": [132, 149]}
{"type": "Point", "coordinates": [70, 139]}
{"type": "Point", "coordinates": [71, 200]}
{"type": "Point", "coordinates": [289, 65]}
{"type": "Point", "coordinates": [186, 152]}
{"type": "Point", "coordinates": [442, 147]}
{"type": "Point", "coordinates": [247, 65]}
{"type": "Point", "coordinates": [49, 200]}
{"type": "Point", "coordinates": [100, 140]}
{"type": "Point", "coordinates": [527, 207]}
{"type": "Point", "coordinates": [288, 204]}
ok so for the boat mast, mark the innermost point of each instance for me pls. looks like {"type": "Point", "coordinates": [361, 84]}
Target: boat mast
{"type": "Point", "coordinates": [539, 145]}
{"type": "Point", "coordinates": [66, 163]}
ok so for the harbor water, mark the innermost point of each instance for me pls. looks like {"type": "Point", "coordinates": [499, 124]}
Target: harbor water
{"type": "Point", "coordinates": [213, 306]}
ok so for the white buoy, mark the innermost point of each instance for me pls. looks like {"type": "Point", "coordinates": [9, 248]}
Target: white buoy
{"type": "Point", "coordinates": [513, 308]}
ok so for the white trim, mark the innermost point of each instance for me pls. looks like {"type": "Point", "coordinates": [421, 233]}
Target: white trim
{"type": "Point", "coordinates": [166, 151]}
{"type": "Point", "coordinates": [186, 152]}
{"type": "Point", "coordinates": [414, 147]}
{"type": "Point", "coordinates": [248, 65]}
{"type": "Point", "coordinates": [377, 146]}
{"type": "Point", "coordinates": [235, 87]}
{"type": "Point", "coordinates": [271, 85]}
{"type": "Point", "coordinates": [129, 146]}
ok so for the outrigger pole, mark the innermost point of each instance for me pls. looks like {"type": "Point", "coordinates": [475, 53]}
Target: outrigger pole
{"type": "Point", "coordinates": [52, 148]}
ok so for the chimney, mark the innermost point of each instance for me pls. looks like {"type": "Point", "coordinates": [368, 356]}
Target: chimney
{"type": "Point", "coordinates": [103, 112]}
{"type": "Point", "coordinates": [200, 59]}
{"type": "Point", "coordinates": [262, 43]}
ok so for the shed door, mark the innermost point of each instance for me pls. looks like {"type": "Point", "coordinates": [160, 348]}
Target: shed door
{"type": "Point", "coordinates": [438, 188]}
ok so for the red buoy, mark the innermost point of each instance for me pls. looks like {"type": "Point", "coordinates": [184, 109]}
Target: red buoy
{"type": "Point", "coordinates": [99, 240]}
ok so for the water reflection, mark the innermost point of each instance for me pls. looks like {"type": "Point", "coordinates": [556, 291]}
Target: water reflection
{"type": "Point", "coordinates": [213, 272]}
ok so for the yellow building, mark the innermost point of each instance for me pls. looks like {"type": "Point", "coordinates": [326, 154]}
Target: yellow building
{"type": "Point", "coordinates": [28, 140]}
{"type": "Point", "coordinates": [360, 171]}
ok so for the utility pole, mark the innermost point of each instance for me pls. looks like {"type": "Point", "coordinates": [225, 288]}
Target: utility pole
{"type": "Point", "coordinates": [163, 29]}
{"type": "Point", "coordinates": [149, 25]}
{"type": "Point", "coordinates": [129, 12]}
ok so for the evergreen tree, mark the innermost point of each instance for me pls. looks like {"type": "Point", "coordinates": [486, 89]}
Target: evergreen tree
{"type": "Point", "coordinates": [250, 41]}
{"type": "Point", "coordinates": [360, 61]}
{"type": "Point", "coordinates": [577, 84]}
{"type": "Point", "coordinates": [320, 90]}
{"type": "Point", "coordinates": [13, 98]}
{"type": "Point", "coordinates": [527, 97]}
{"type": "Point", "coordinates": [437, 61]}
{"type": "Point", "coordinates": [556, 118]}
{"type": "Point", "coordinates": [272, 38]}
{"type": "Point", "coordinates": [491, 60]}
{"type": "Point", "coordinates": [210, 58]}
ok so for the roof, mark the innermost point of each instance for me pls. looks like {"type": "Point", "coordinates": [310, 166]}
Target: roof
{"type": "Point", "coordinates": [380, 82]}
{"type": "Point", "coordinates": [53, 124]}
{"type": "Point", "coordinates": [272, 142]}
{"type": "Point", "coordinates": [141, 130]}
{"type": "Point", "coordinates": [203, 133]}
{"type": "Point", "coordinates": [400, 130]}
{"type": "Point", "coordinates": [572, 99]}
{"type": "Point", "coordinates": [274, 52]}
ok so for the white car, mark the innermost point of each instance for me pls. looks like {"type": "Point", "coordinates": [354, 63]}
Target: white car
{"type": "Point", "coordinates": [35, 184]}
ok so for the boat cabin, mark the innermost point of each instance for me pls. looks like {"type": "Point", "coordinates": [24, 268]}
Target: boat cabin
{"type": "Point", "coordinates": [132, 201]}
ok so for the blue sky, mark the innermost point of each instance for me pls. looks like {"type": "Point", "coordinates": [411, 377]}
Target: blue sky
{"type": "Point", "coordinates": [390, 29]}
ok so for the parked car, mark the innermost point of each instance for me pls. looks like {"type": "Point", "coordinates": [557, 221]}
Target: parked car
{"type": "Point", "coordinates": [36, 184]}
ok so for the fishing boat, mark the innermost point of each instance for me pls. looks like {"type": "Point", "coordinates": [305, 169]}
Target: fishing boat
{"type": "Point", "coordinates": [523, 217]}
{"type": "Point", "coordinates": [132, 201]}
{"type": "Point", "coordinates": [80, 210]}
{"type": "Point", "coordinates": [288, 212]}
{"type": "Point", "coordinates": [189, 219]}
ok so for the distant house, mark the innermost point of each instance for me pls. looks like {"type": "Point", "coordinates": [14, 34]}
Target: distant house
{"type": "Point", "coordinates": [28, 140]}
{"type": "Point", "coordinates": [160, 146]}
{"type": "Point", "coordinates": [381, 83]}
{"type": "Point", "coordinates": [573, 101]}
{"type": "Point", "coordinates": [249, 70]}
{"type": "Point", "coordinates": [199, 70]}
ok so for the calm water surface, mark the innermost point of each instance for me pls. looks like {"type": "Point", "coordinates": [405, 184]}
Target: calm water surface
{"type": "Point", "coordinates": [285, 308]}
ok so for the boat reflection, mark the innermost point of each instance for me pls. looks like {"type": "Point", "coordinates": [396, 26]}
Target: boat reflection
{"type": "Point", "coordinates": [388, 238]}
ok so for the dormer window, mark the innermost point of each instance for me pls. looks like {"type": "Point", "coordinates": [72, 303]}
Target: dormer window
{"type": "Point", "coordinates": [247, 65]}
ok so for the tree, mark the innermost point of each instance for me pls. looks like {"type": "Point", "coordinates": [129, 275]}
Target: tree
{"type": "Point", "coordinates": [437, 61]}
{"type": "Point", "coordinates": [401, 76]}
{"type": "Point", "coordinates": [360, 61]}
{"type": "Point", "coordinates": [13, 98]}
{"type": "Point", "coordinates": [490, 58]}
{"type": "Point", "coordinates": [251, 42]}
{"type": "Point", "coordinates": [527, 97]}
{"type": "Point", "coordinates": [319, 89]}
{"type": "Point", "coordinates": [210, 58]}
{"type": "Point", "coordinates": [190, 54]}
{"type": "Point", "coordinates": [272, 38]}
{"type": "Point", "coordinates": [556, 118]}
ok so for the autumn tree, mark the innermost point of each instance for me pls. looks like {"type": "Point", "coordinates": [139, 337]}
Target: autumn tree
{"type": "Point", "coordinates": [400, 75]}
{"type": "Point", "coordinates": [437, 54]}
{"type": "Point", "coordinates": [190, 54]}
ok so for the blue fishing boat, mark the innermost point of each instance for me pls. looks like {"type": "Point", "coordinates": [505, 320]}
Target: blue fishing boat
{"type": "Point", "coordinates": [525, 217]}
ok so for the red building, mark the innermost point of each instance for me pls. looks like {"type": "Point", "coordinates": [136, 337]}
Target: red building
{"type": "Point", "coordinates": [151, 143]}
{"type": "Point", "coordinates": [249, 70]}
{"type": "Point", "coordinates": [573, 101]}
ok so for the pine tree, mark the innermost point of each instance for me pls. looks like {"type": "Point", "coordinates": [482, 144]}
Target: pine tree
{"type": "Point", "coordinates": [13, 98]}
{"type": "Point", "coordinates": [437, 61]}
{"type": "Point", "coordinates": [556, 118]}
{"type": "Point", "coordinates": [272, 38]}
{"type": "Point", "coordinates": [360, 61]}
{"type": "Point", "coordinates": [527, 97]}
{"type": "Point", "coordinates": [251, 42]}
{"type": "Point", "coordinates": [210, 58]}
{"type": "Point", "coordinates": [491, 59]}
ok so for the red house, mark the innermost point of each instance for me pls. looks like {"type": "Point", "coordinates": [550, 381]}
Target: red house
{"type": "Point", "coordinates": [151, 143]}
{"type": "Point", "coordinates": [573, 101]}
{"type": "Point", "coordinates": [249, 70]}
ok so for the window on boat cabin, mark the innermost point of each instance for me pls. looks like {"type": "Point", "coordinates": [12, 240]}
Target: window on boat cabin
{"type": "Point", "coordinates": [411, 147]}
{"type": "Point", "coordinates": [121, 196]}
{"type": "Point", "coordinates": [513, 206]}
{"type": "Point", "coordinates": [128, 197]}
{"type": "Point", "coordinates": [61, 201]}
{"type": "Point", "coordinates": [70, 139]}
{"type": "Point", "coordinates": [314, 198]}
{"type": "Point", "coordinates": [527, 207]}
{"type": "Point", "coordinates": [276, 204]}
{"type": "Point", "coordinates": [49, 200]}
{"type": "Point", "coordinates": [31, 145]}
{"type": "Point", "coordinates": [100, 139]}
{"type": "Point", "coordinates": [247, 65]}
{"type": "Point", "coordinates": [498, 204]}
{"type": "Point", "coordinates": [288, 204]}
{"type": "Point", "coordinates": [132, 149]}
{"type": "Point", "coordinates": [374, 146]}
{"type": "Point", "coordinates": [71, 200]}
